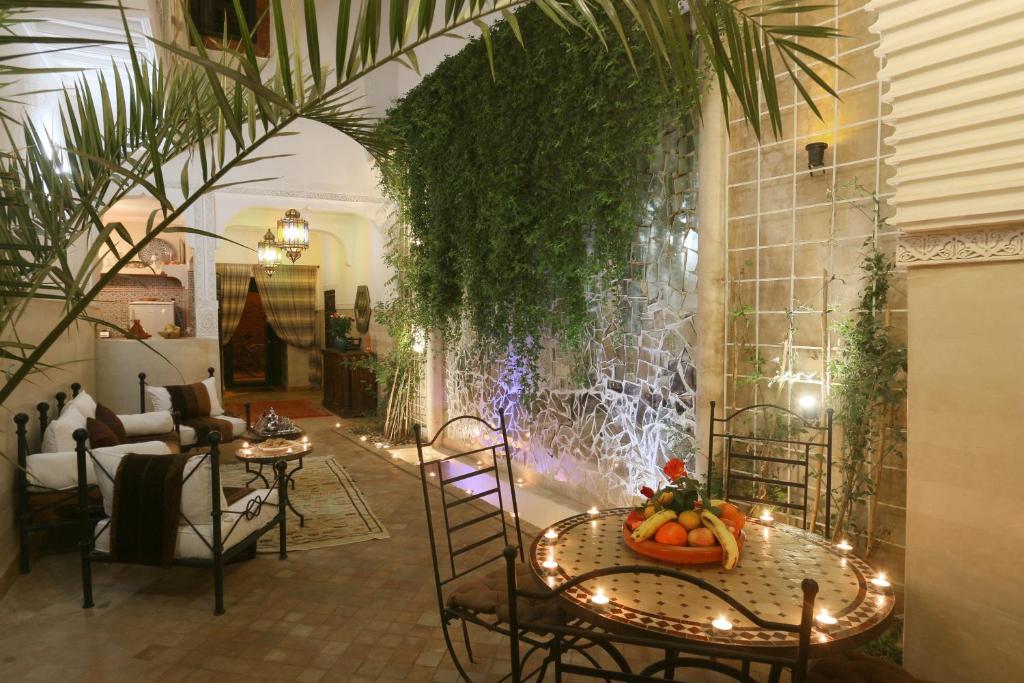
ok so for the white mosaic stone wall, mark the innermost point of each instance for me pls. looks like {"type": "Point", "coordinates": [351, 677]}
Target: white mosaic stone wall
{"type": "Point", "coordinates": [604, 435]}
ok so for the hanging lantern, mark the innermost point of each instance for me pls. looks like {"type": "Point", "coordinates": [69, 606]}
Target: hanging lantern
{"type": "Point", "coordinates": [268, 253]}
{"type": "Point", "coordinates": [293, 234]}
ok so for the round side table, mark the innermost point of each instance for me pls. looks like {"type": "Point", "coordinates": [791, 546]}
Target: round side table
{"type": "Point", "coordinates": [258, 457]}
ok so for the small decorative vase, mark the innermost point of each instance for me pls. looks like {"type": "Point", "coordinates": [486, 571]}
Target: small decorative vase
{"type": "Point", "coordinates": [136, 331]}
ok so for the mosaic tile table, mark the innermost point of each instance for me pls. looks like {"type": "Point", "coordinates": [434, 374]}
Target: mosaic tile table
{"type": "Point", "coordinates": [773, 562]}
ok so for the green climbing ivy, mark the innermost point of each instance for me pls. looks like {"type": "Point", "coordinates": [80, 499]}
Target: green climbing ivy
{"type": "Point", "coordinates": [522, 192]}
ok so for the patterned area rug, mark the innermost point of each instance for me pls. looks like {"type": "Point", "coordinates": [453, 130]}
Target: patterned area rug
{"type": "Point", "coordinates": [335, 509]}
{"type": "Point", "coordinates": [294, 408]}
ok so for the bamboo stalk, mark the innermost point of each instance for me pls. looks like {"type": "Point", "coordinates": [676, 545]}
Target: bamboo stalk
{"type": "Point", "coordinates": [819, 474]}
{"type": "Point", "coordinates": [880, 454]}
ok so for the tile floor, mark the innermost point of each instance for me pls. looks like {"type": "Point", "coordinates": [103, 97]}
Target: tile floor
{"type": "Point", "coordinates": [359, 612]}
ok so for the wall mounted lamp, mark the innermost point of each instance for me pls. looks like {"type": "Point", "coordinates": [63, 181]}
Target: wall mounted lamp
{"type": "Point", "coordinates": [816, 157]}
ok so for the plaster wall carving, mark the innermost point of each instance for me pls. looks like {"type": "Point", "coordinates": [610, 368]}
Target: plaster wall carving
{"type": "Point", "coordinates": [602, 433]}
{"type": "Point", "coordinates": [921, 249]}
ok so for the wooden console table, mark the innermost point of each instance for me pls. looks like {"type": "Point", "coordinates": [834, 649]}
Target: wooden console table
{"type": "Point", "coordinates": [349, 390]}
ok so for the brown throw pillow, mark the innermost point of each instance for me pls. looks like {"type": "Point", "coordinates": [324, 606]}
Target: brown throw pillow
{"type": "Point", "coordinates": [190, 400]}
{"type": "Point", "coordinates": [110, 418]}
{"type": "Point", "coordinates": [100, 435]}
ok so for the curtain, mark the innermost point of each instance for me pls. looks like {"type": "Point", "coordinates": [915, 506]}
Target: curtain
{"type": "Point", "coordinates": [289, 298]}
{"type": "Point", "coordinates": [232, 286]}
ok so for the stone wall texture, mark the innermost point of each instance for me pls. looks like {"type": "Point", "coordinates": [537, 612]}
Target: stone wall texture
{"type": "Point", "coordinates": [788, 234]}
{"type": "Point", "coordinates": [602, 425]}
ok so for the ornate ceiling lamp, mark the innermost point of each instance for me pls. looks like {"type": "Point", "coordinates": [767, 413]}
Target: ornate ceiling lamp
{"type": "Point", "coordinates": [268, 253]}
{"type": "Point", "coordinates": [293, 234]}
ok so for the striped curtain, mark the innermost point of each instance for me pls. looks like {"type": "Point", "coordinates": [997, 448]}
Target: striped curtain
{"type": "Point", "coordinates": [232, 286]}
{"type": "Point", "coordinates": [289, 298]}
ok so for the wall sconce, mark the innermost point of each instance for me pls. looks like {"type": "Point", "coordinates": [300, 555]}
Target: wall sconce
{"type": "Point", "coordinates": [816, 157]}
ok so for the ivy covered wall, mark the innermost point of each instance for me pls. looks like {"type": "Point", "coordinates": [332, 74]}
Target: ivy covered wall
{"type": "Point", "coordinates": [548, 233]}
{"type": "Point", "coordinates": [605, 420]}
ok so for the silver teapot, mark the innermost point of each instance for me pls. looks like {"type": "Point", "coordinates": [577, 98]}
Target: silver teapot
{"type": "Point", "coordinates": [272, 424]}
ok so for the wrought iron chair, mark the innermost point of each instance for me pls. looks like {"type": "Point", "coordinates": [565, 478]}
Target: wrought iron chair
{"type": "Point", "coordinates": [783, 449]}
{"type": "Point", "coordinates": [470, 594]}
{"type": "Point", "coordinates": [233, 530]}
{"type": "Point", "coordinates": [666, 655]}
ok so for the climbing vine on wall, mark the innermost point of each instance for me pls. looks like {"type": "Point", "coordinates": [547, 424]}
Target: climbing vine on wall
{"type": "Point", "coordinates": [521, 191]}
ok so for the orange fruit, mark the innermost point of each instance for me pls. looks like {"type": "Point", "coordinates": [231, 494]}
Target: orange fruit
{"type": "Point", "coordinates": [690, 520]}
{"type": "Point", "coordinates": [701, 538]}
{"type": "Point", "coordinates": [731, 513]}
{"type": "Point", "coordinates": [671, 533]}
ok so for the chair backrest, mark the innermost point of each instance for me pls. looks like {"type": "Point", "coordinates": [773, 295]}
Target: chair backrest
{"type": "Point", "coordinates": [142, 388]}
{"type": "Point", "coordinates": [663, 655]}
{"type": "Point", "coordinates": [773, 463]}
{"type": "Point", "coordinates": [459, 518]}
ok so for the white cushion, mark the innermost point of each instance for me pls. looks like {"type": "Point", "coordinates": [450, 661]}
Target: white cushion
{"type": "Point", "coordinates": [195, 488]}
{"type": "Point", "coordinates": [56, 471]}
{"type": "Point", "coordinates": [84, 403]}
{"type": "Point", "coordinates": [60, 470]}
{"type": "Point", "coordinates": [57, 437]}
{"type": "Point", "coordinates": [143, 424]}
{"type": "Point", "coordinates": [213, 389]}
{"type": "Point", "coordinates": [191, 542]}
{"type": "Point", "coordinates": [159, 399]}
{"type": "Point", "coordinates": [187, 436]}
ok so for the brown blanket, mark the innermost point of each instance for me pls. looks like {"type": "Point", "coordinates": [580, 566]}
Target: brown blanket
{"type": "Point", "coordinates": [190, 400]}
{"type": "Point", "coordinates": [146, 505]}
{"type": "Point", "coordinates": [203, 426]}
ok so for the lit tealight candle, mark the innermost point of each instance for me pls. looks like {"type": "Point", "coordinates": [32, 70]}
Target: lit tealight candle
{"type": "Point", "coordinates": [245, 445]}
{"type": "Point", "coordinates": [337, 425]}
{"type": "Point", "coordinates": [844, 546]}
{"type": "Point", "coordinates": [519, 481]}
{"type": "Point", "coordinates": [551, 534]}
{"type": "Point", "coordinates": [289, 450]}
{"type": "Point", "coordinates": [825, 619]}
{"type": "Point", "coordinates": [599, 598]}
{"type": "Point", "coordinates": [881, 581]}
{"type": "Point", "coordinates": [593, 511]}
{"type": "Point", "coordinates": [550, 562]}
{"type": "Point", "coordinates": [767, 518]}
{"type": "Point", "coordinates": [721, 625]}
{"type": "Point", "coordinates": [363, 437]}
{"type": "Point", "coordinates": [432, 474]}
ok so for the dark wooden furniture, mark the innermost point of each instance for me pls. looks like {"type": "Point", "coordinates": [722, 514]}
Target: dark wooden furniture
{"type": "Point", "coordinates": [349, 389]}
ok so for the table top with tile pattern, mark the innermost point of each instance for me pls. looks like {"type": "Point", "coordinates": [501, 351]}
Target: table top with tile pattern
{"type": "Point", "coordinates": [773, 562]}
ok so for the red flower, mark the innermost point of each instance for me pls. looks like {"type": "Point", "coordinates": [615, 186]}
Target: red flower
{"type": "Point", "coordinates": [675, 469]}
{"type": "Point", "coordinates": [646, 492]}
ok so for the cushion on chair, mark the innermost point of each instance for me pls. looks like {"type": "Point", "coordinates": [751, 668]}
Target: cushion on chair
{"type": "Point", "coordinates": [100, 435]}
{"type": "Point", "coordinates": [159, 399]}
{"type": "Point", "coordinates": [855, 667]}
{"type": "Point", "coordinates": [192, 541]}
{"type": "Point", "coordinates": [488, 594]}
{"type": "Point", "coordinates": [146, 424]}
{"type": "Point", "coordinates": [57, 436]}
{"type": "Point", "coordinates": [111, 420]}
{"type": "Point", "coordinates": [59, 471]}
{"type": "Point", "coordinates": [83, 403]}
{"type": "Point", "coordinates": [213, 391]}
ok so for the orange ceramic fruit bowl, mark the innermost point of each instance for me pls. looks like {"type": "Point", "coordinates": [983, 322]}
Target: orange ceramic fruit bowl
{"type": "Point", "coordinates": [676, 554]}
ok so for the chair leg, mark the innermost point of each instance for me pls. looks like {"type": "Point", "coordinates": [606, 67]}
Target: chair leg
{"type": "Point", "coordinates": [775, 675]}
{"type": "Point", "coordinates": [218, 586]}
{"type": "Point", "coordinates": [465, 639]}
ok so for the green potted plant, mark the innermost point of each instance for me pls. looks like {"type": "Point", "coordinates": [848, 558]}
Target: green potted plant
{"type": "Point", "coordinates": [340, 326]}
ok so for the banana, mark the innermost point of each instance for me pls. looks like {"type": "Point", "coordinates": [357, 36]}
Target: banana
{"type": "Point", "coordinates": [730, 549]}
{"type": "Point", "coordinates": [652, 524]}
